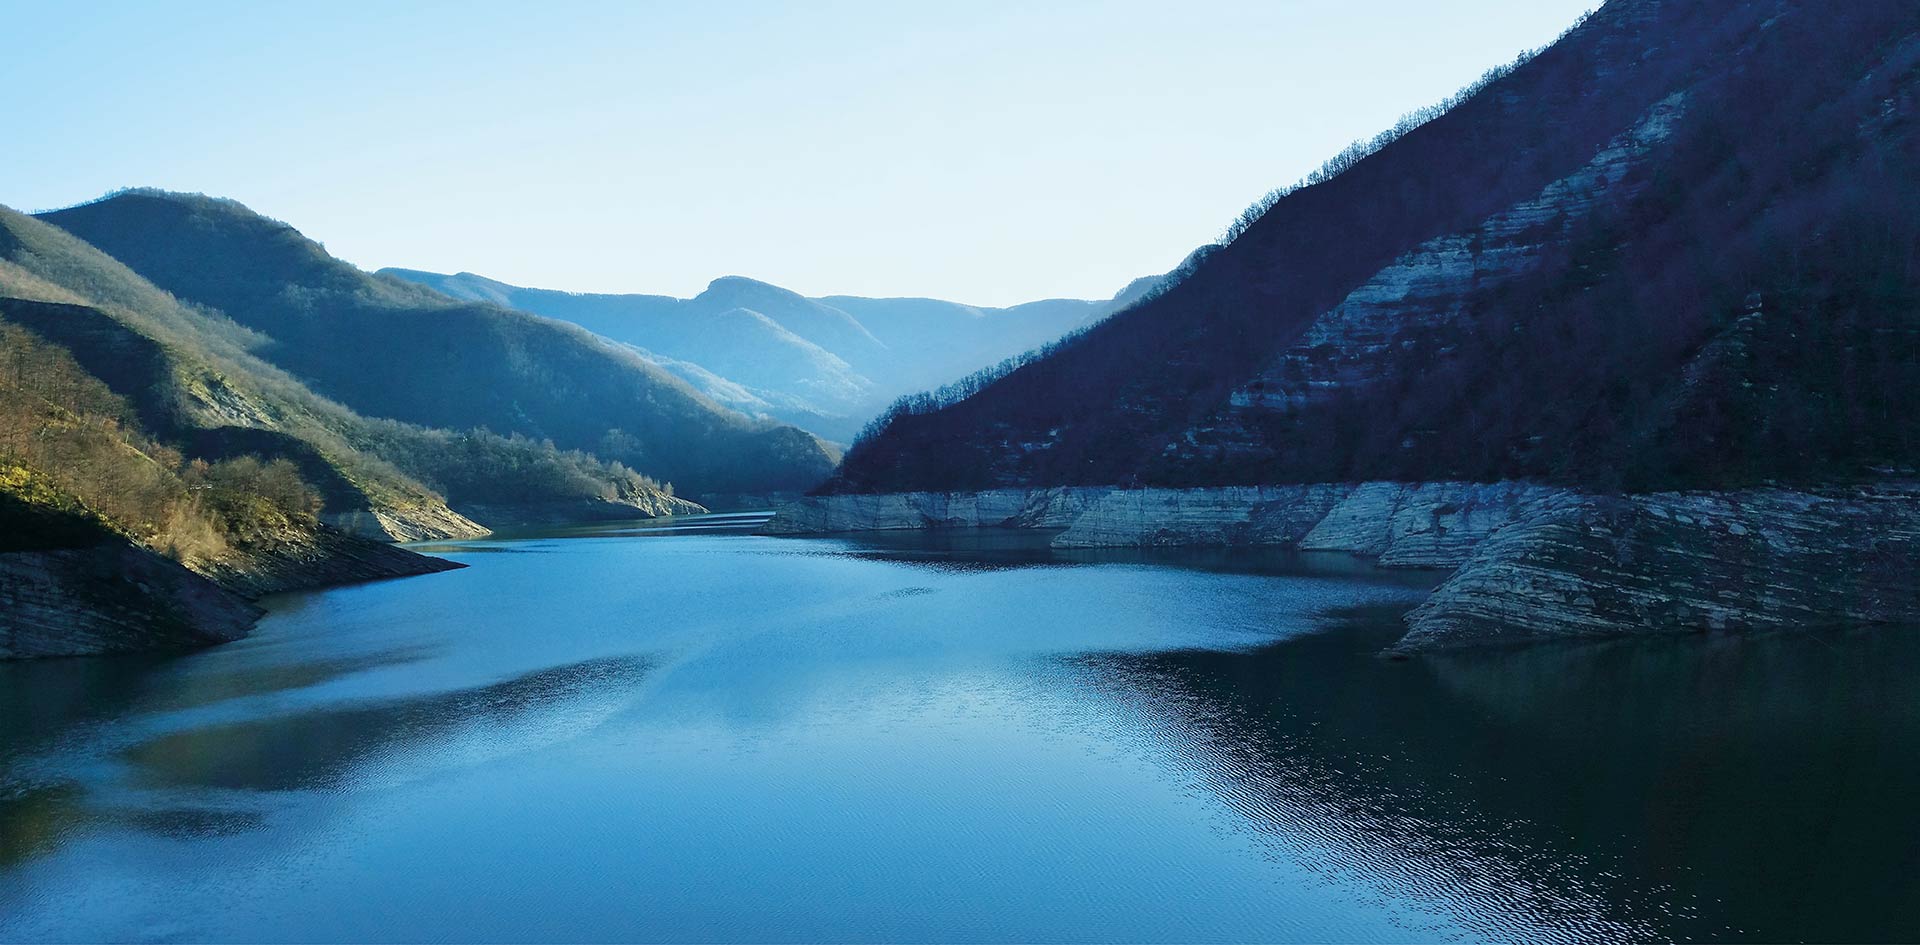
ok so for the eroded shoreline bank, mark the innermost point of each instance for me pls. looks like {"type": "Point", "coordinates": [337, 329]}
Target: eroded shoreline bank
{"type": "Point", "coordinates": [1529, 561]}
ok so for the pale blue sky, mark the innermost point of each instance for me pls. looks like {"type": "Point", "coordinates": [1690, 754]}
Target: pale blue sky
{"type": "Point", "coordinates": [986, 152]}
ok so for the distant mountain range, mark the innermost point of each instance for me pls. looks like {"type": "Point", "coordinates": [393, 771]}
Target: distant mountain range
{"type": "Point", "coordinates": [1679, 248]}
{"type": "Point", "coordinates": [392, 349]}
{"type": "Point", "coordinates": [827, 365]}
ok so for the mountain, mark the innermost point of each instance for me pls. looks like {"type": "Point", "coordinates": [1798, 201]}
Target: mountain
{"type": "Point", "coordinates": [1624, 337]}
{"type": "Point", "coordinates": [156, 476]}
{"type": "Point", "coordinates": [389, 349]}
{"type": "Point", "coordinates": [189, 382]}
{"type": "Point", "coordinates": [827, 365]}
{"type": "Point", "coordinates": [131, 514]}
{"type": "Point", "coordinates": [1677, 249]}
{"type": "Point", "coordinates": [190, 375]}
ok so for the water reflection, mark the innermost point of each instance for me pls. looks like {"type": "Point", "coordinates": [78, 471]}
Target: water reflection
{"type": "Point", "coordinates": [1706, 788]}
{"type": "Point", "coordinates": [950, 736]}
{"type": "Point", "coordinates": [326, 748]}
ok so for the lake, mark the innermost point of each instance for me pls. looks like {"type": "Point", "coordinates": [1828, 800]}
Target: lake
{"type": "Point", "coordinates": [684, 733]}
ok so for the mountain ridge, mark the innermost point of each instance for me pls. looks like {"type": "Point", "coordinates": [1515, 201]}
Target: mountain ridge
{"type": "Point", "coordinates": [1507, 351]}
{"type": "Point", "coordinates": [546, 380]}
{"type": "Point", "coordinates": [825, 364]}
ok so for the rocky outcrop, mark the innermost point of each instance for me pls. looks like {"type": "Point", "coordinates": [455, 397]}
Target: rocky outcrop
{"type": "Point", "coordinates": [638, 505]}
{"type": "Point", "coordinates": [1237, 515]}
{"type": "Point", "coordinates": [1423, 525]}
{"type": "Point", "coordinates": [110, 597]}
{"type": "Point", "coordinates": [1583, 566]}
{"type": "Point", "coordinates": [419, 523]}
{"type": "Point", "coordinates": [1431, 291]}
{"type": "Point", "coordinates": [1000, 508]}
{"type": "Point", "coordinates": [305, 559]}
{"type": "Point", "coordinates": [72, 586]}
{"type": "Point", "coordinates": [1533, 562]}
{"type": "Point", "coordinates": [1404, 525]}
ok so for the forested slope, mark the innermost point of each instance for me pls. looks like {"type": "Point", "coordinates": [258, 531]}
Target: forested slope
{"type": "Point", "coordinates": [191, 375]}
{"type": "Point", "coordinates": [1677, 249]}
{"type": "Point", "coordinates": [390, 349]}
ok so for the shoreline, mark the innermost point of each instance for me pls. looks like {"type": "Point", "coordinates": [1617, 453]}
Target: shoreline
{"type": "Point", "coordinates": [1528, 561]}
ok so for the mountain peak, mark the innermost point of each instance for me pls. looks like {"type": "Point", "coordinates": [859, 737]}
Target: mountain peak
{"type": "Point", "coordinates": [733, 288]}
{"type": "Point", "coordinates": [189, 199]}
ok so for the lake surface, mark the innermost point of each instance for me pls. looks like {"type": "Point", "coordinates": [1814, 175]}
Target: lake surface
{"type": "Point", "coordinates": [678, 734]}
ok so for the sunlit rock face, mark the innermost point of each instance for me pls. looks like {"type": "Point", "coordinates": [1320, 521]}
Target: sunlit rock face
{"type": "Point", "coordinates": [1531, 561]}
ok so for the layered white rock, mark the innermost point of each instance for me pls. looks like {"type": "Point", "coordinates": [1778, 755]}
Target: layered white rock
{"type": "Point", "coordinates": [1421, 525]}
{"type": "Point", "coordinates": [1532, 561]}
{"type": "Point", "coordinates": [1433, 286]}
{"type": "Point", "coordinates": [1767, 559]}
{"type": "Point", "coordinates": [1000, 508]}
{"type": "Point", "coordinates": [1231, 515]}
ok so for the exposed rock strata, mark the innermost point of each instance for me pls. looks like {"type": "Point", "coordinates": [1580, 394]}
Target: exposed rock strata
{"type": "Point", "coordinates": [1534, 562]}
{"type": "Point", "coordinates": [304, 560]}
{"type": "Point", "coordinates": [1431, 290]}
{"type": "Point", "coordinates": [999, 508]}
{"type": "Point", "coordinates": [1581, 565]}
{"type": "Point", "coordinates": [1236, 515]}
{"type": "Point", "coordinates": [635, 506]}
{"type": "Point", "coordinates": [103, 594]}
{"type": "Point", "coordinates": [421, 523]}
{"type": "Point", "coordinates": [1428, 525]}
{"type": "Point", "coordinates": [110, 597]}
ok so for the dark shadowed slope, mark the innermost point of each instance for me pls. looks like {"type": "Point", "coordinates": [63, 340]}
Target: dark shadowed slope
{"type": "Point", "coordinates": [1680, 247]}
{"type": "Point", "coordinates": [827, 364]}
{"type": "Point", "coordinates": [388, 348]}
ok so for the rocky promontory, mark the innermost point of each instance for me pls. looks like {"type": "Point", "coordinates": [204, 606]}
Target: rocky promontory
{"type": "Point", "coordinates": [72, 586]}
{"type": "Point", "coordinates": [111, 597]}
{"type": "Point", "coordinates": [1529, 561]}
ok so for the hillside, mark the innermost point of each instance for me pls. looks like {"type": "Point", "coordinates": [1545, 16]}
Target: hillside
{"type": "Point", "coordinates": [1677, 249]}
{"type": "Point", "coordinates": [190, 375]}
{"type": "Point", "coordinates": [389, 349]}
{"type": "Point", "coordinates": [823, 364]}
{"type": "Point", "coordinates": [112, 540]}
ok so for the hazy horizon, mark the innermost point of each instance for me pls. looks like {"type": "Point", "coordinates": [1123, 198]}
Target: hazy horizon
{"type": "Point", "coordinates": [863, 150]}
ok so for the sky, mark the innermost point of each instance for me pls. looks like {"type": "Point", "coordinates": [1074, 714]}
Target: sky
{"type": "Point", "coordinates": [985, 152]}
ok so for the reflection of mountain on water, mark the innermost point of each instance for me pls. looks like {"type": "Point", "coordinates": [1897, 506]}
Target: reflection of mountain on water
{"type": "Point", "coordinates": [54, 706]}
{"type": "Point", "coordinates": [304, 750]}
{"type": "Point", "coordinates": [1613, 792]}
{"type": "Point", "coordinates": [321, 748]}
{"type": "Point", "coordinates": [1001, 548]}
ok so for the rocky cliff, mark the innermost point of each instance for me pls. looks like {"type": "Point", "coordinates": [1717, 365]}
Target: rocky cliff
{"type": "Point", "coordinates": [1530, 562]}
{"type": "Point", "coordinates": [305, 559]}
{"type": "Point", "coordinates": [111, 596]}
{"type": "Point", "coordinates": [107, 598]}
{"type": "Point", "coordinates": [71, 584]}
{"type": "Point", "coordinates": [1579, 565]}
{"type": "Point", "coordinates": [651, 504]}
